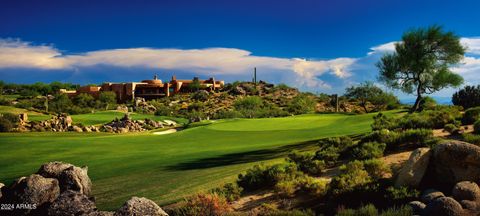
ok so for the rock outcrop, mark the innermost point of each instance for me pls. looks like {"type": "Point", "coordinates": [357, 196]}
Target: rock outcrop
{"type": "Point", "coordinates": [455, 161]}
{"type": "Point", "coordinates": [144, 107]}
{"type": "Point", "coordinates": [140, 206]}
{"type": "Point", "coordinates": [126, 124]}
{"type": "Point", "coordinates": [412, 172]}
{"type": "Point", "coordinates": [62, 189]}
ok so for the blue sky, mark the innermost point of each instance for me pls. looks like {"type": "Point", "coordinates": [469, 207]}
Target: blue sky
{"type": "Point", "coordinates": [319, 46]}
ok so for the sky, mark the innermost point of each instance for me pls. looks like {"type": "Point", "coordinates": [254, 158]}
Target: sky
{"type": "Point", "coordinates": [314, 45]}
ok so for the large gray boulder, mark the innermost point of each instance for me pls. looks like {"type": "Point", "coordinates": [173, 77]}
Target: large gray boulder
{"type": "Point", "coordinates": [76, 179]}
{"type": "Point", "coordinates": [72, 203]}
{"type": "Point", "coordinates": [414, 168]}
{"type": "Point", "coordinates": [456, 161]}
{"type": "Point", "coordinates": [466, 190]}
{"type": "Point", "coordinates": [444, 206]}
{"type": "Point", "coordinates": [33, 191]}
{"type": "Point", "coordinates": [140, 206]}
{"type": "Point", "coordinates": [53, 169]}
{"type": "Point", "coordinates": [417, 207]}
{"type": "Point", "coordinates": [430, 195]}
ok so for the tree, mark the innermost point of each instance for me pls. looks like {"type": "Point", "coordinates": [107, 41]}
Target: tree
{"type": "Point", "coordinates": [421, 62]}
{"type": "Point", "coordinates": [467, 97]}
{"type": "Point", "coordinates": [367, 93]}
{"type": "Point", "coordinates": [301, 104]}
{"type": "Point", "coordinates": [84, 100]}
{"type": "Point", "coordinates": [107, 97]}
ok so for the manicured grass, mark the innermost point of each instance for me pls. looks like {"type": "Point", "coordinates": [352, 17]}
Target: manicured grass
{"type": "Point", "coordinates": [32, 115]}
{"type": "Point", "coordinates": [166, 168]}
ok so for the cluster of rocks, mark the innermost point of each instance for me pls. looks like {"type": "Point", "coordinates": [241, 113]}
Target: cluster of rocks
{"type": "Point", "coordinates": [451, 164]}
{"type": "Point", "coordinates": [58, 123]}
{"type": "Point", "coordinates": [464, 200]}
{"type": "Point", "coordinates": [126, 124]}
{"type": "Point", "coordinates": [143, 107]}
{"type": "Point", "coordinates": [61, 189]}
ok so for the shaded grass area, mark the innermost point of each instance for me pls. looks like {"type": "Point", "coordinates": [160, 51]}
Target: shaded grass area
{"type": "Point", "coordinates": [169, 167]}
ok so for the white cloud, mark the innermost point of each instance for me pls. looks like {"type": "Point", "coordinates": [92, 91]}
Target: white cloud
{"type": "Point", "coordinates": [472, 44]}
{"type": "Point", "coordinates": [219, 61]}
{"type": "Point", "coordinates": [19, 54]}
{"type": "Point", "coordinates": [383, 48]}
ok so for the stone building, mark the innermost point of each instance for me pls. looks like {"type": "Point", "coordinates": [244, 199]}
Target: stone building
{"type": "Point", "coordinates": [148, 89]}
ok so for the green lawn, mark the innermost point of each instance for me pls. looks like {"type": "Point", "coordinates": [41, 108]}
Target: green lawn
{"type": "Point", "coordinates": [166, 168]}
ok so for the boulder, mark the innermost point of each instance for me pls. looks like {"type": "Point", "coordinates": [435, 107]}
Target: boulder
{"type": "Point", "coordinates": [76, 128]}
{"type": "Point", "coordinates": [456, 161]}
{"type": "Point", "coordinates": [53, 169]}
{"type": "Point", "coordinates": [417, 207]}
{"type": "Point", "coordinates": [1, 186]}
{"type": "Point", "coordinates": [76, 179]}
{"type": "Point", "coordinates": [466, 190]}
{"type": "Point", "coordinates": [122, 108]}
{"type": "Point", "coordinates": [431, 195]}
{"type": "Point", "coordinates": [33, 190]}
{"type": "Point", "coordinates": [72, 203]}
{"type": "Point", "coordinates": [140, 206]}
{"type": "Point", "coordinates": [444, 206]}
{"type": "Point", "coordinates": [170, 123]}
{"type": "Point", "coordinates": [414, 169]}
{"type": "Point", "coordinates": [470, 205]}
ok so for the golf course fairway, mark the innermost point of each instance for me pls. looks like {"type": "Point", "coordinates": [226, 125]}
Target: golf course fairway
{"type": "Point", "coordinates": [166, 168]}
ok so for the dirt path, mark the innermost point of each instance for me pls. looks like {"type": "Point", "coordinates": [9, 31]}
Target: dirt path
{"type": "Point", "coordinates": [442, 133]}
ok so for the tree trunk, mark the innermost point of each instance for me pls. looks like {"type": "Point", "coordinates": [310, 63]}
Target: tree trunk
{"type": "Point", "coordinates": [417, 103]}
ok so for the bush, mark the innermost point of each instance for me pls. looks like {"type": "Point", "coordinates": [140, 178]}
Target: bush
{"type": "Point", "coordinates": [286, 188]}
{"type": "Point", "coordinates": [261, 176]}
{"type": "Point", "coordinates": [476, 127]}
{"type": "Point", "coordinates": [200, 96]}
{"type": "Point", "coordinates": [5, 125]}
{"type": "Point", "coordinates": [301, 104]}
{"type": "Point", "coordinates": [393, 139]}
{"type": "Point", "coordinates": [227, 114]}
{"type": "Point", "coordinates": [381, 121]}
{"type": "Point", "coordinates": [427, 103]}
{"type": "Point", "coordinates": [313, 186]}
{"type": "Point", "coordinates": [306, 162]}
{"type": "Point", "coordinates": [11, 117]}
{"type": "Point", "coordinates": [467, 97]}
{"type": "Point", "coordinates": [471, 115]}
{"type": "Point", "coordinates": [370, 210]}
{"type": "Point", "coordinates": [471, 138]}
{"type": "Point", "coordinates": [451, 128]}
{"type": "Point", "coordinates": [163, 110]}
{"type": "Point", "coordinates": [353, 175]}
{"type": "Point", "coordinates": [401, 194]}
{"type": "Point", "coordinates": [4, 101]}
{"type": "Point", "coordinates": [376, 168]}
{"type": "Point", "coordinates": [202, 204]}
{"type": "Point", "coordinates": [332, 148]}
{"type": "Point", "coordinates": [369, 150]}
{"type": "Point", "coordinates": [231, 191]}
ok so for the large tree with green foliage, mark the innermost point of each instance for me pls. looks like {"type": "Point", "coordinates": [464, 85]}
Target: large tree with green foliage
{"type": "Point", "coordinates": [421, 62]}
{"type": "Point", "coordinates": [107, 98]}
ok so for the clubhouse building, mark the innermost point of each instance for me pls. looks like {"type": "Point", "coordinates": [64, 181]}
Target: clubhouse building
{"type": "Point", "coordinates": [148, 89]}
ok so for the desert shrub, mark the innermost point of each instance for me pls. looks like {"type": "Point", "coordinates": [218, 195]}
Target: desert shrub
{"type": "Point", "coordinates": [331, 148]}
{"type": "Point", "coordinates": [307, 163]}
{"type": "Point", "coordinates": [414, 136]}
{"type": "Point", "coordinates": [227, 114]}
{"type": "Point", "coordinates": [5, 125]}
{"type": "Point", "coordinates": [427, 103]}
{"type": "Point", "coordinates": [200, 96]}
{"type": "Point", "coordinates": [313, 186]}
{"type": "Point", "coordinates": [401, 194]}
{"type": "Point", "coordinates": [282, 86]}
{"type": "Point", "coordinates": [269, 111]}
{"type": "Point", "coordinates": [371, 210]}
{"type": "Point", "coordinates": [4, 101]}
{"type": "Point", "coordinates": [471, 138]}
{"type": "Point", "coordinates": [451, 128]}
{"type": "Point", "coordinates": [369, 150]}
{"type": "Point", "coordinates": [301, 104]}
{"type": "Point", "coordinates": [393, 139]}
{"type": "Point", "coordinates": [467, 97]}
{"type": "Point", "coordinates": [376, 168]}
{"type": "Point", "coordinates": [353, 175]}
{"type": "Point", "coordinates": [381, 121]}
{"type": "Point", "coordinates": [278, 212]}
{"type": "Point", "coordinates": [11, 117]}
{"type": "Point", "coordinates": [380, 136]}
{"type": "Point", "coordinates": [202, 204]}
{"type": "Point", "coordinates": [163, 110]}
{"type": "Point", "coordinates": [286, 188]}
{"type": "Point", "coordinates": [367, 210]}
{"type": "Point", "coordinates": [248, 106]}
{"type": "Point", "coordinates": [262, 176]}
{"type": "Point", "coordinates": [231, 191]}
{"type": "Point", "coordinates": [471, 115]}
{"type": "Point", "coordinates": [476, 127]}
